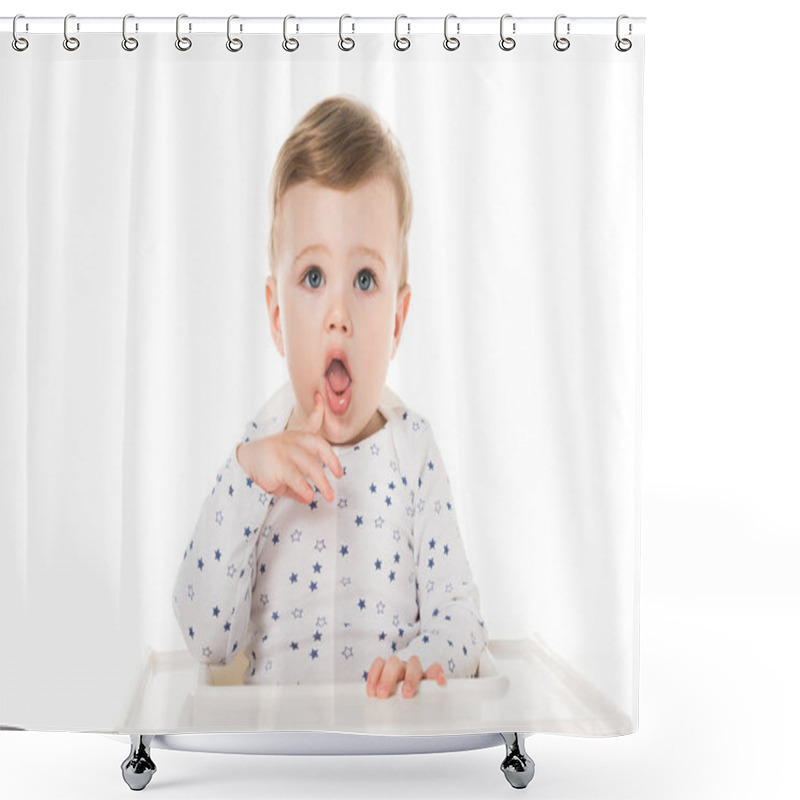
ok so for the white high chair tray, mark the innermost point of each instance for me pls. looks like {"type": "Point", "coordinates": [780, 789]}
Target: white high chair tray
{"type": "Point", "coordinates": [520, 686]}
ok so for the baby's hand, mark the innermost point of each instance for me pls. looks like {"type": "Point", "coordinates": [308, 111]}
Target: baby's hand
{"type": "Point", "coordinates": [384, 676]}
{"type": "Point", "coordinates": [283, 464]}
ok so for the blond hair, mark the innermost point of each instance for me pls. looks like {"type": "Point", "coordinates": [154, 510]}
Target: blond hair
{"type": "Point", "coordinates": [341, 143]}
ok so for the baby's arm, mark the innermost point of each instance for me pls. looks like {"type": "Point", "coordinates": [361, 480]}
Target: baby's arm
{"type": "Point", "coordinates": [214, 583]}
{"type": "Point", "coordinates": [213, 590]}
{"type": "Point", "coordinates": [452, 634]}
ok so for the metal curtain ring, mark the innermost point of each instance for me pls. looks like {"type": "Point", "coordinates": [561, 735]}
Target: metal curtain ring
{"type": "Point", "coordinates": [290, 45]}
{"type": "Point", "coordinates": [345, 43]}
{"type": "Point", "coordinates": [623, 45]}
{"type": "Point", "coordinates": [70, 42]}
{"type": "Point", "coordinates": [128, 42]}
{"type": "Point", "coordinates": [401, 43]}
{"type": "Point", "coordinates": [561, 43]}
{"type": "Point", "coordinates": [451, 42]}
{"type": "Point", "coordinates": [18, 43]}
{"type": "Point", "coordinates": [506, 42]}
{"type": "Point", "coordinates": [181, 42]}
{"type": "Point", "coordinates": [234, 45]}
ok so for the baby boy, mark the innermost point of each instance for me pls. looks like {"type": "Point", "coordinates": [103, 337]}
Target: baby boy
{"type": "Point", "coordinates": [328, 548]}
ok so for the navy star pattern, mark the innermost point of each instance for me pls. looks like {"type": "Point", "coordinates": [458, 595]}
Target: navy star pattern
{"type": "Point", "coordinates": [387, 548]}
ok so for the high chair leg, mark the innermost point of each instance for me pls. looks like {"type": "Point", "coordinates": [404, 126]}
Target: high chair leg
{"type": "Point", "coordinates": [138, 768]}
{"type": "Point", "coordinates": [518, 766]}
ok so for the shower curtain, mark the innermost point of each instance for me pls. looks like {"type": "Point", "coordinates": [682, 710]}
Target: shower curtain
{"type": "Point", "coordinates": [137, 346]}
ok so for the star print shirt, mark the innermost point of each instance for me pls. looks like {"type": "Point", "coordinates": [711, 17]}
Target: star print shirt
{"type": "Point", "coordinates": [315, 593]}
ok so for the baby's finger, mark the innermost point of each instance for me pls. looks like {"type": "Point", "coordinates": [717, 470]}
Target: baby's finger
{"type": "Point", "coordinates": [296, 483]}
{"type": "Point", "coordinates": [314, 422]}
{"type": "Point", "coordinates": [373, 675]}
{"type": "Point", "coordinates": [317, 445]}
{"type": "Point", "coordinates": [436, 673]}
{"type": "Point", "coordinates": [413, 676]}
{"type": "Point", "coordinates": [312, 469]}
{"type": "Point", "coordinates": [392, 673]}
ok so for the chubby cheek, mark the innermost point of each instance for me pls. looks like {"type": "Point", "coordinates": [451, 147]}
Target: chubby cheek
{"type": "Point", "coordinates": [302, 342]}
{"type": "Point", "coordinates": [377, 353]}
{"type": "Point", "coordinates": [380, 351]}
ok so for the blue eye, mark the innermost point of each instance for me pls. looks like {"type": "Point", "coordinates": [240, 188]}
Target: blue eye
{"type": "Point", "coordinates": [313, 278]}
{"type": "Point", "coordinates": [366, 280]}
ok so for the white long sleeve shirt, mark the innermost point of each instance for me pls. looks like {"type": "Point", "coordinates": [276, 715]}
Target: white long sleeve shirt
{"type": "Point", "coordinates": [315, 593]}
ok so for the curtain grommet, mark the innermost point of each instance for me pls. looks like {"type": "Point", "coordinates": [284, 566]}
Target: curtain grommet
{"type": "Point", "coordinates": [346, 43]}
{"type": "Point", "coordinates": [623, 45]}
{"type": "Point", "coordinates": [401, 43]}
{"type": "Point", "coordinates": [129, 43]}
{"type": "Point", "coordinates": [234, 45]}
{"type": "Point", "coordinates": [183, 43]}
{"type": "Point", "coordinates": [561, 43]}
{"type": "Point", "coordinates": [451, 43]}
{"type": "Point", "coordinates": [70, 43]}
{"type": "Point", "coordinates": [507, 42]}
{"type": "Point", "coordinates": [19, 43]}
{"type": "Point", "coordinates": [289, 44]}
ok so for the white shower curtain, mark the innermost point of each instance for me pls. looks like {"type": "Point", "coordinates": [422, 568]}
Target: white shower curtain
{"type": "Point", "coordinates": [136, 345]}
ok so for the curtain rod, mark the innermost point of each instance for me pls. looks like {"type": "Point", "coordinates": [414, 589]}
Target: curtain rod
{"type": "Point", "coordinates": [326, 25]}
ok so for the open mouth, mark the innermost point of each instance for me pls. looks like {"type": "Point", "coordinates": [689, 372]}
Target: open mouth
{"type": "Point", "coordinates": [338, 385]}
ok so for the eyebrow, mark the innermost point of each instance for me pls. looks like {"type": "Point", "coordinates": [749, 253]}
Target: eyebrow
{"type": "Point", "coordinates": [360, 250]}
{"type": "Point", "coordinates": [309, 249]}
{"type": "Point", "coordinates": [368, 251]}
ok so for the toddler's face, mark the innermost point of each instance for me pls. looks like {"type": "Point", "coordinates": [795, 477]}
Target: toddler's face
{"type": "Point", "coordinates": [334, 305]}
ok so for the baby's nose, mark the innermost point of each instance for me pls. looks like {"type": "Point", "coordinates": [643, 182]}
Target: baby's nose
{"type": "Point", "coordinates": [338, 320]}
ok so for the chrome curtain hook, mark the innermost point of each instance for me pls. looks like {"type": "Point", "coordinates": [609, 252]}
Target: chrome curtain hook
{"type": "Point", "coordinates": [128, 42]}
{"type": "Point", "coordinates": [345, 43]}
{"type": "Point", "coordinates": [234, 45]}
{"type": "Point", "coordinates": [623, 45]}
{"type": "Point", "coordinates": [290, 45]}
{"type": "Point", "coordinates": [70, 42]}
{"type": "Point", "coordinates": [561, 43]}
{"type": "Point", "coordinates": [18, 43]}
{"type": "Point", "coordinates": [451, 42]}
{"type": "Point", "coordinates": [401, 43]}
{"type": "Point", "coordinates": [181, 42]}
{"type": "Point", "coordinates": [506, 42]}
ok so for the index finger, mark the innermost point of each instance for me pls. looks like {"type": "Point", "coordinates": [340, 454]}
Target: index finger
{"type": "Point", "coordinates": [314, 423]}
{"type": "Point", "coordinates": [320, 446]}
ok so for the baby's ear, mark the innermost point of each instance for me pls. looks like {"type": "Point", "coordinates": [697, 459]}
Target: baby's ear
{"type": "Point", "coordinates": [274, 312]}
{"type": "Point", "coordinates": [401, 312]}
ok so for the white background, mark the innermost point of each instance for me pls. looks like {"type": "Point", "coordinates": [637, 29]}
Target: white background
{"type": "Point", "coordinates": [721, 436]}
